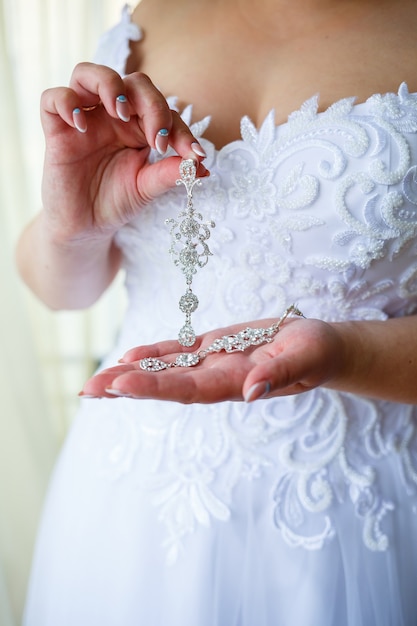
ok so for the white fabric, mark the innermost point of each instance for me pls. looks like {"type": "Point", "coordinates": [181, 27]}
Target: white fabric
{"type": "Point", "coordinates": [300, 510]}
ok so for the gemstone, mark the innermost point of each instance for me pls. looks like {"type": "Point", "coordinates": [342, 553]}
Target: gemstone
{"type": "Point", "coordinates": [188, 302]}
{"type": "Point", "coordinates": [187, 360]}
{"type": "Point", "coordinates": [151, 364]}
{"type": "Point", "coordinates": [189, 256]}
{"type": "Point", "coordinates": [189, 228]}
{"type": "Point", "coordinates": [186, 336]}
{"type": "Point", "coordinates": [187, 170]}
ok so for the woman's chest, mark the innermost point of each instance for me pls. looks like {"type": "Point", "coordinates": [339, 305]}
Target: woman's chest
{"type": "Point", "coordinates": [227, 75]}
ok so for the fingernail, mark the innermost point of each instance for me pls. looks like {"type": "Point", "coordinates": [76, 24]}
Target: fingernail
{"type": "Point", "coordinates": [88, 396]}
{"type": "Point", "coordinates": [161, 140]}
{"type": "Point", "coordinates": [258, 390]}
{"type": "Point", "coordinates": [79, 120]}
{"type": "Point", "coordinates": [122, 108]}
{"type": "Point", "coordinates": [195, 147]}
{"type": "Point", "coordinates": [119, 394]}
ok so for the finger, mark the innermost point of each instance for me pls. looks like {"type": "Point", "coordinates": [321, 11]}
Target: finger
{"type": "Point", "coordinates": [285, 372]}
{"type": "Point", "coordinates": [276, 377]}
{"type": "Point", "coordinates": [61, 106]}
{"type": "Point", "coordinates": [160, 125]}
{"type": "Point", "coordinates": [177, 385]}
{"type": "Point", "coordinates": [216, 380]}
{"type": "Point", "coordinates": [183, 141]}
{"type": "Point", "coordinates": [165, 349]}
{"type": "Point", "coordinates": [91, 85]}
{"type": "Point", "coordinates": [96, 84]}
{"type": "Point", "coordinates": [96, 385]}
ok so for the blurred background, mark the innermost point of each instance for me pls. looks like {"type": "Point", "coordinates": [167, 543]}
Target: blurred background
{"type": "Point", "coordinates": [44, 356]}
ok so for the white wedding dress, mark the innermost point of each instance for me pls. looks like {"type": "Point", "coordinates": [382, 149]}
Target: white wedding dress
{"type": "Point", "coordinates": [296, 511]}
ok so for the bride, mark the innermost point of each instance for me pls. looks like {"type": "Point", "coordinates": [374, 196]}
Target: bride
{"type": "Point", "coordinates": [274, 484]}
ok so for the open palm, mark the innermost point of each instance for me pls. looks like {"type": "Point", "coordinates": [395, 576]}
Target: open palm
{"type": "Point", "coordinates": [303, 355]}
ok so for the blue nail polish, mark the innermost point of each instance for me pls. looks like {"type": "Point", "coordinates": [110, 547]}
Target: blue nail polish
{"type": "Point", "coordinates": [161, 140]}
{"type": "Point", "coordinates": [79, 120]}
{"type": "Point", "coordinates": [267, 390]}
{"type": "Point", "coordinates": [257, 391]}
{"type": "Point", "coordinates": [122, 108]}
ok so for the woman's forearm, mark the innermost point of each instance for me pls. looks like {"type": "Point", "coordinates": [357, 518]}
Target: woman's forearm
{"type": "Point", "coordinates": [65, 274]}
{"type": "Point", "coordinates": [381, 359]}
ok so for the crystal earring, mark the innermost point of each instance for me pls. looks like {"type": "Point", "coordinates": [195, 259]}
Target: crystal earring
{"type": "Point", "coordinates": [189, 249]}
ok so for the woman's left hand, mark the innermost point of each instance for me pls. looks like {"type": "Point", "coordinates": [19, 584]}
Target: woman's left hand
{"type": "Point", "coordinates": [304, 354]}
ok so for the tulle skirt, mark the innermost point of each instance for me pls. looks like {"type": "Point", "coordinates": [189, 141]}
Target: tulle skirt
{"type": "Point", "coordinates": [101, 555]}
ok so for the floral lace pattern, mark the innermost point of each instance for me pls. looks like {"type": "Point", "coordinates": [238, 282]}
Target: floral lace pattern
{"type": "Point", "coordinates": [321, 210]}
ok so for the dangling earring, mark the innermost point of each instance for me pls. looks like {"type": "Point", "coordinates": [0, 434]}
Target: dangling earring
{"type": "Point", "coordinates": [189, 249]}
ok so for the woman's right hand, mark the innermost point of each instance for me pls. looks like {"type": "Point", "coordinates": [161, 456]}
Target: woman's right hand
{"type": "Point", "coordinates": [96, 174]}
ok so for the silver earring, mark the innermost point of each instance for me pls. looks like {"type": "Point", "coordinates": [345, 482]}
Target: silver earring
{"type": "Point", "coordinates": [189, 249]}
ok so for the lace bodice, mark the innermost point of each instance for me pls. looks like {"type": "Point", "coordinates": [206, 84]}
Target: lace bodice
{"type": "Point", "coordinates": [322, 211]}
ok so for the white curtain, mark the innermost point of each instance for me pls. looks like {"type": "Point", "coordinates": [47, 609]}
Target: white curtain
{"type": "Point", "coordinates": [44, 356]}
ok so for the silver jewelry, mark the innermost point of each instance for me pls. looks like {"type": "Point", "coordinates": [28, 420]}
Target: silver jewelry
{"type": "Point", "coordinates": [189, 249]}
{"type": "Point", "coordinates": [239, 342]}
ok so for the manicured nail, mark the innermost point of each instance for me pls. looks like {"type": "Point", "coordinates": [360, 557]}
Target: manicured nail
{"type": "Point", "coordinates": [258, 390]}
{"type": "Point", "coordinates": [88, 396]}
{"type": "Point", "coordinates": [118, 393]}
{"type": "Point", "coordinates": [79, 120]}
{"type": "Point", "coordinates": [122, 108]}
{"type": "Point", "coordinates": [195, 147]}
{"type": "Point", "coordinates": [161, 141]}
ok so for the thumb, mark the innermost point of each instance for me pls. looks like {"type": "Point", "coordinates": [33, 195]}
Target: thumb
{"type": "Point", "coordinates": [160, 177]}
{"type": "Point", "coordinates": [280, 376]}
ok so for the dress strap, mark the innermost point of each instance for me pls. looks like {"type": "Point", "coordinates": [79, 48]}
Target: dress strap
{"type": "Point", "coordinates": [113, 47]}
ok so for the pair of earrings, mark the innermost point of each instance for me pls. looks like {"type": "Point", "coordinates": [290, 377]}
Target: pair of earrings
{"type": "Point", "coordinates": [189, 249]}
